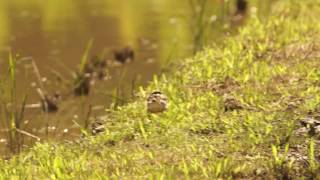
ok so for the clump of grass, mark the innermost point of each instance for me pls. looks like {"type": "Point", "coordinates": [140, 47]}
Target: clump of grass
{"type": "Point", "coordinates": [84, 74]}
{"type": "Point", "coordinates": [12, 110]}
{"type": "Point", "coordinates": [314, 165]}
{"type": "Point", "coordinates": [196, 138]}
{"type": "Point", "coordinates": [200, 24]}
{"type": "Point", "coordinates": [281, 165]}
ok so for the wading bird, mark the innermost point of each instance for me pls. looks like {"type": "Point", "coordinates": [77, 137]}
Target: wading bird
{"type": "Point", "coordinates": [157, 102]}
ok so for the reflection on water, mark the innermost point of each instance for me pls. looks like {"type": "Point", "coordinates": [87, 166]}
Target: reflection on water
{"type": "Point", "coordinates": [55, 34]}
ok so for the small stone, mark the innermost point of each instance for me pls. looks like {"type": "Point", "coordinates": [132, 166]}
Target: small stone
{"type": "Point", "coordinates": [311, 125]}
{"type": "Point", "coordinates": [309, 121]}
{"type": "Point", "coordinates": [97, 127]}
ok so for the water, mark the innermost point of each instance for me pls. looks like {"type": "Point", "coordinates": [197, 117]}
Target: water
{"type": "Point", "coordinates": [55, 33]}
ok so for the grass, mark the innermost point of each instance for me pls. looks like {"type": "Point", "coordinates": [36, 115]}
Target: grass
{"type": "Point", "coordinates": [12, 110]}
{"type": "Point", "coordinates": [270, 71]}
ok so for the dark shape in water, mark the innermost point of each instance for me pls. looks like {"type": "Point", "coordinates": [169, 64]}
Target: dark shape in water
{"type": "Point", "coordinates": [101, 74]}
{"type": "Point", "coordinates": [98, 62]}
{"type": "Point", "coordinates": [48, 104]}
{"type": "Point", "coordinates": [99, 65]}
{"type": "Point", "coordinates": [57, 95]}
{"type": "Point", "coordinates": [83, 78]}
{"type": "Point", "coordinates": [82, 84]}
{"type": "Point", "coordinates": [124, 55]}
{"type": "Point", "coordinates": [242, 6]}
{"type": "Point", "coordinates": [88, 68]}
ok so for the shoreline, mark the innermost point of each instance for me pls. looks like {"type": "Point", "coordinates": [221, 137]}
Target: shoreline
{"type": "Point", "coordinates": [234, 112]}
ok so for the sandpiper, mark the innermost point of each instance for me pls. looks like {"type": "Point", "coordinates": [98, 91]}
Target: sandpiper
{"type": "Point", "coordinates": [157, 102]}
